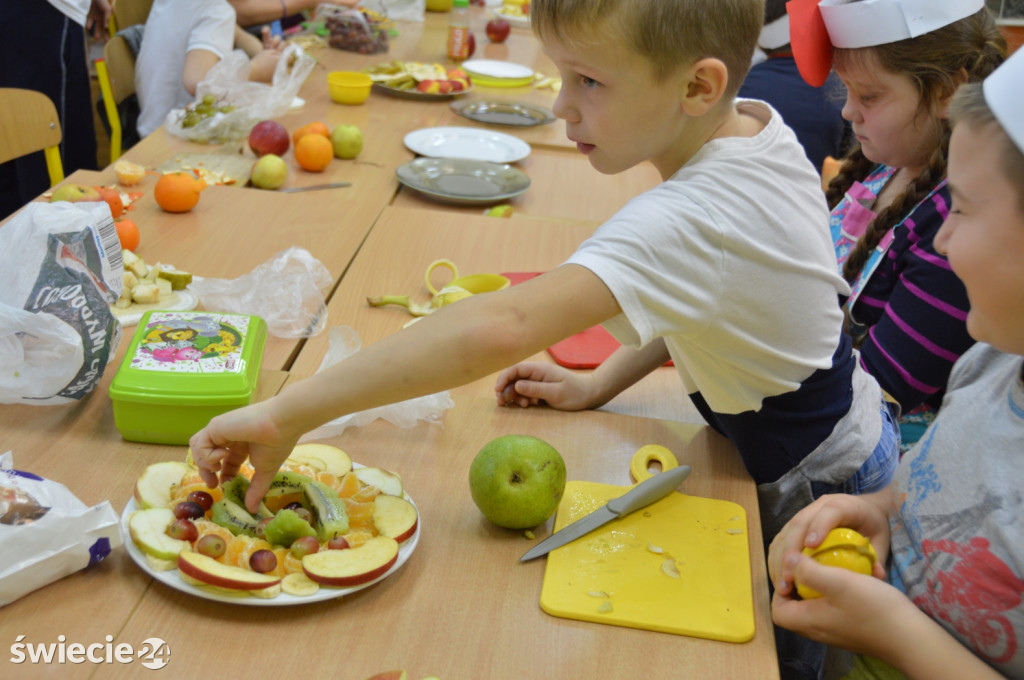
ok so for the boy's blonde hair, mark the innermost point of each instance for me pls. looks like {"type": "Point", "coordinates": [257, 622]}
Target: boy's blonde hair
{"type": "Point", "coordinates": [934, 61]}
{"type": "Point", "coordinates": [668, 33]}
{"type": "Point", "coordinates": [970, 108]}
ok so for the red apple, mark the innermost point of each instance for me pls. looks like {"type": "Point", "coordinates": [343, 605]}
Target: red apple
{"type": "Point", "coordinates": [269, 136]}
{"type": "Point", "coordinates": [472, 45]}
{"type": "Point", "coordinates": [354, 566]}
{"type": "Point", "coordinates": [429, 86]}
{"type": "Point", "coordinates": [444, 86]}
{"type": "Point", "coordinates": [497, 30]}
{"type": "Point", "coordinates": [457, 84]}
{"type": "Point", "coordinates": [395, 517]}
{"type": "Point", "coordinates": [211, 572]}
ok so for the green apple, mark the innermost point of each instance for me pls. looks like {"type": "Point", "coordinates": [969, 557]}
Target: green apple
{"type": "Point", "coordinates": [73, 193]}
{"type": "Point", "coordinates": [517, 481]}
{"type": "Point", "coordinates": [269, 172]}
{"type": "Point", "coordinates": [153, 488]}
{"type": "Point", "coordinates": [347, 141]}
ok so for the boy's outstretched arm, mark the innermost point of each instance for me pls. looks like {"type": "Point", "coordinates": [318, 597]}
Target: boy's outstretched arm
{"type": "Point", "coordinates": [456, 345]}
{"type": "Point", "coordinates": [530, 383]}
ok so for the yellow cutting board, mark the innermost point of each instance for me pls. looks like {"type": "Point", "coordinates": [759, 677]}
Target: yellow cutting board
{"type": "Point", "coordinates": [614, 574]}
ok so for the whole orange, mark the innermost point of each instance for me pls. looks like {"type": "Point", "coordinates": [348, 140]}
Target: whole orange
{"type": "Point", "coordinates": [316, 128]}
{"type": "Point", "coordinates": [113, 199]}
{"type": "Point", "coordinates": [128, 234]}
{"type": "Point", "coordinates": [178, 192]}
{"type": "Point", "coordinates": [313, 152]}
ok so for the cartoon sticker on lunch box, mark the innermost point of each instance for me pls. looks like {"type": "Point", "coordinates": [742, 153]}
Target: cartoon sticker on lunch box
{"type": "Point", "coordinates": [192, 343]}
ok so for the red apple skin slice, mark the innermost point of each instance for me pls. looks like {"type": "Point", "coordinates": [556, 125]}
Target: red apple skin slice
{"type": "Point", "coordinates": [395, 517]}
{"type": "Point", "coordinates": [212, 572]}
{"type": "Point", "coordinates": [352, 567]}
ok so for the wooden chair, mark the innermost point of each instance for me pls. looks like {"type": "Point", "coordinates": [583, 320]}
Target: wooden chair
{"type": "Point", "coordinates": [125, 13]}
{"type": "Point", "coordinates": [29, 123]}
{"type": "Point", "coordinates": [116, 75]}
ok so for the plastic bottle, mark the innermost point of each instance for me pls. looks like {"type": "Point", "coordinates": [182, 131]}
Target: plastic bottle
{"type": "Point", "coordinates": [458, 31]}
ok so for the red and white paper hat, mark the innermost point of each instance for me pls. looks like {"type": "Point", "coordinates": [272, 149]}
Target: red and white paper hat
{"type": "Point", "coordinates": [818, 26]}
{"type": "Point", "coordinates": [1005, 97]}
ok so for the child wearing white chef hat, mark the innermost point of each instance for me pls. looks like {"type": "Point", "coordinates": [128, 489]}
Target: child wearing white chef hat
{"type": "Point", "coordinates": [948, 532]}
{"type": "Point", "coordinates": [901, 61]}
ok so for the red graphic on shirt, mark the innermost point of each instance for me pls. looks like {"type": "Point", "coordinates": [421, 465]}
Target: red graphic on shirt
{"type": "Point", "coordinates": [971, 595]}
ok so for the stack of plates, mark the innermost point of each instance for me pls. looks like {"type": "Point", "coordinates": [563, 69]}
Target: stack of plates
{"type": "Point", "coordinates": [493, 73]}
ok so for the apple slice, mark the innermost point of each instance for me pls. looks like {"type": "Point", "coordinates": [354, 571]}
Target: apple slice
{"type": "Point", "coordinates": [395, 517]}
{"type": "Point", "coordinates": [153, 488]}
{"type": "Point", "coordinates": [388, 482]}
{"type": "Point", "coordinates": [389, 675]}
{"type": "Point", "coordinates": [213, 573]}
{"type": "Point", "coordinates": [148, 530]}
{"type": "Point", "coordinates": [354, 566]}
{"type": "Point", "coordinates": [322, 457]}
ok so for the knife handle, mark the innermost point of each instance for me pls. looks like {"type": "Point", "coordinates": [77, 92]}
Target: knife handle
{"type": "Point", "coordinates": [648, 491]}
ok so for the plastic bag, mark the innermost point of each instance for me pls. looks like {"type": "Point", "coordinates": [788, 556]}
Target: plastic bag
{"type": "Point", "coordinates": [47, 532]}
{"type": "Point", "coordinates": [343, 343]}
{"type": "Point", "coordinates": [227, 82]}
{"type": "Point", "coordinates": [287, 291]}
{"type": "Point", "coordinates": [60, 270]}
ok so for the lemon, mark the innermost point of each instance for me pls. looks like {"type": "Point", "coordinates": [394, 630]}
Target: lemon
{"type": "Point", "coordinates": [841, 548]}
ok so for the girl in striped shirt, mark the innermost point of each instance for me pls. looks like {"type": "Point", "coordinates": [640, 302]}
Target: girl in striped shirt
{"type": "Point", "coordinates": [907, 308]}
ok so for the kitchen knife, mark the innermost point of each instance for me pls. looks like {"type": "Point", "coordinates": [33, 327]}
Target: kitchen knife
{"type": "Point", "coordinates": [643, 494]}
{"type": "Point", "coordinates": [315, 187]}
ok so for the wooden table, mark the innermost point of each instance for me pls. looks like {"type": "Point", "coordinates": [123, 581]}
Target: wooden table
{"type": "Point", "coordinates": [463, 606]}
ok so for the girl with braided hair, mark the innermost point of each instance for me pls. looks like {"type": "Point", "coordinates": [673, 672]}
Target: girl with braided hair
{"type": "Point", "coordinates": [907, 309]}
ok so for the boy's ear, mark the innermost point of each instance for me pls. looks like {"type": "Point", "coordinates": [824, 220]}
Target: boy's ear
{"type": "Point", "coordinates": [707, 82]}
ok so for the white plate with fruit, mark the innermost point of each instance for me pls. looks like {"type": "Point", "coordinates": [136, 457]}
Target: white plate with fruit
{"type": "Point", "coordinates": [513, 15]}
{"type": "Point", "coordinates": [204, 559]}
{"type": "Point", "coordinates": [146, 287]}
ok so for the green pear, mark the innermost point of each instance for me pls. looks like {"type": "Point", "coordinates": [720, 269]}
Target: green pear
{"type": "Point", "coordinates": [517, 481]}
{"type": "Point", "coordinates": [347, 141]}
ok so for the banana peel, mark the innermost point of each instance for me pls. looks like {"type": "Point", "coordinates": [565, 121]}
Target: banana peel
{"type": "Point", "coordinates": [445, 296]}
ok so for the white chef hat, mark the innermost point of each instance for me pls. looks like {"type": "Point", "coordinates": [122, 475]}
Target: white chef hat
{"type": "Point", "coordinates": [775, 34]}
{"type": "Point", "coordinates": [1005, 98]}
{"type": "Point", "coordinates": [818, 26]}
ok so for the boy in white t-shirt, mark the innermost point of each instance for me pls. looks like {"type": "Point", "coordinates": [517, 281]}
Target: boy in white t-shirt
{"type": "Point", "coordinates": [182, 41]}
{"type": "Point", "coordinates": [948, 532]}
{"type": "Point", "coordinates": [726, 266]}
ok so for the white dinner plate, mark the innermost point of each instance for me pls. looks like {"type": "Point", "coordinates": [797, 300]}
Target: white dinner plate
{"type": "Point", "coordinates": [172, 579]}
{"type": "Point", "coordinates": [462, 181]}
{"type": "Point", "coordinates": [514, 19]}
{"type": "Point", "coordinates": [461, 142]}
{"type": "Point", "coordinates": [178, 301]}
{"type": "Point", "coordinates": [495, 73]}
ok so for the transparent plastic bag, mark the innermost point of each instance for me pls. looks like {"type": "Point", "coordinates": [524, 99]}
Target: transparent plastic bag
{"type": "Point", "coordinates": [228, 85]}
{"type": "Point", "coordinates": [286, 291]}
{"type": "Point", "coordinates": [343, 343]}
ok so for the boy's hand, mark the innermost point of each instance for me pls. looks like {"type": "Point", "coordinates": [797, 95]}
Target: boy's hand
{"type": "Point", "coordinates": [856, 612]}
{"type": "Point", "coordinates": [229, 439]}
{"type": "Point", "coordinates": [809, 527]}
{"type": "Point", "coordinates": [98, 19]}
{"type": "Point", "coordinates": [530, 383]}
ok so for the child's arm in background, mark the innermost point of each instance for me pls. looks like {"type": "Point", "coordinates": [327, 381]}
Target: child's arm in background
{"type": "Point", "coordinates": [456, 345]}
{"type": "Point", "coordinates": [868, 616]}
{"type": "Point", "coordinates": [530, 383]}
{"type": "Point", "coordinates": [197, 64]}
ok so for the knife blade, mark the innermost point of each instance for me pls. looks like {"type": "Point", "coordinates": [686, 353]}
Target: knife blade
{"type": "Point", "coordinates": [315, 187]}
{"type": "Point", "coordinates": [640, 496]}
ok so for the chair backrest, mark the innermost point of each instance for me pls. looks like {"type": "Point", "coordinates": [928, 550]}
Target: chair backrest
{"type": "Point", "coordinates": [29, 123]}
{"type": "Point", "coordinates": [125, 13]}
{"type": "Point", "coordinates": [116, 75]}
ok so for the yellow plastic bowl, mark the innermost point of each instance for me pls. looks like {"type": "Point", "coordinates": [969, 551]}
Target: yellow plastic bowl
{"type": "Point", "coordinates": [349, 87]}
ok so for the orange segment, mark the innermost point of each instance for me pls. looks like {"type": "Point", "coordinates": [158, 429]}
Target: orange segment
{"type": "Point", "coordinates": [349, 485]}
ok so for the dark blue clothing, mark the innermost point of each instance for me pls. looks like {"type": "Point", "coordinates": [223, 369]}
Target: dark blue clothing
{"type": "Point", "coordinates": [814, 113]}
{"type": "Point", "coordinates": [43, 50]}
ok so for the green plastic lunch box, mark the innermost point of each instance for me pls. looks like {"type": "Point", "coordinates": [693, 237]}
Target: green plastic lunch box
{"type": "Point", "coordinates": [183, 368]}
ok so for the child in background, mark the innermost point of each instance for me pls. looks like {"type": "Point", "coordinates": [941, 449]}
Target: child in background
{"type": "Point", "coordinates": [182, 41]}
{"type": "Point", "coordinates": [948, 532]}
{"type": "Point", "coordinates": [907, 308]}
{"type": "Point", "coordinates": [724, 265]}
{"type": "Point", "coordinates": [814, 113]}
